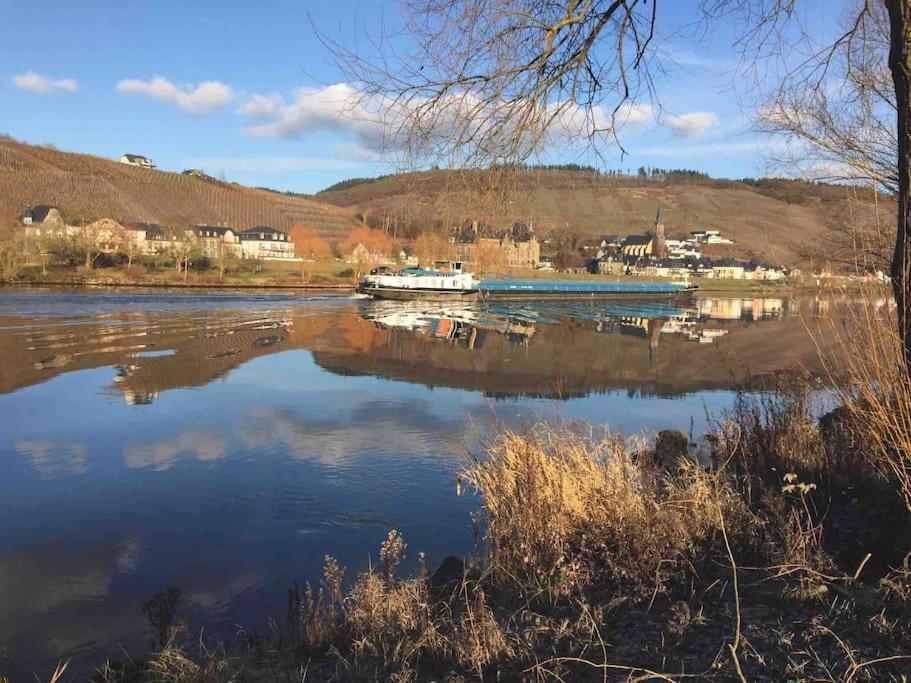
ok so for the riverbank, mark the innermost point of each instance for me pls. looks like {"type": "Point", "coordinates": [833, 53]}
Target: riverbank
{"type": "Point", "coordinates": [328, 275]}
{"type": "Point", "coordinates": [332, 275]}
{"type": "Point", "coordinates": [773, 548]}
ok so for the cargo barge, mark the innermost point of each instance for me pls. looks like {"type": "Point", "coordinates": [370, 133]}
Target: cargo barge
{"type": "Point", "coordinates": [447, 281]}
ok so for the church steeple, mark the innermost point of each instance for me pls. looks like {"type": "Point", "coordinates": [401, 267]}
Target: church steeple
{"type": "Point", "coordinates": [660, 248]}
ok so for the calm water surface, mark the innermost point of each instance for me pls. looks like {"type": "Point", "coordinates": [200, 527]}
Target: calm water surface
{"type": "Point", "coordinates": [224, 443]}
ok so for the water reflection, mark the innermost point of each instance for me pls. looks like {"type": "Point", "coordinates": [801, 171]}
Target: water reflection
{"type": "Point", "coordinates": [502, 350]}
{"type": "Point", "coordinates": [225, 443]}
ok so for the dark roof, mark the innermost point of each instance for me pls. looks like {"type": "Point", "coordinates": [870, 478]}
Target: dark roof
{"type": "Point", "coordinates": [218, 230]}
{"type": "Point", "coordinates": [254, 233]}
{"type": "Point", "coordinates": [136, 157]}
{"type": "Point", "coordinates": [38, 213]}
{"type": "Point", "coordinates": [152, 230]}
{"type": "Point", "coordinates": [636, 240]}
{"type": "Point", "coordinates": [672, 263]}
{"type": "Point", "coordinates": [610, 238]}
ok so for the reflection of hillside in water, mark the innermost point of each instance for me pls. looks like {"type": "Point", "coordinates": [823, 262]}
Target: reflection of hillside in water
{"type": "Point", "coordinates": [558, 349]}
{"type": "Point", "coordinates": [570, 349]}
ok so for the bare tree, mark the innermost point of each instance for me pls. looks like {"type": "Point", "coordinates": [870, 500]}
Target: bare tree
{"type": "Point", "coordinates": [15, 252]}
{"type": "Point", "coordinates": [837, 107]}
{"type": "Point", "coordinates": [487, 82]}
{"type": "Point", "coordinates": [483, 83]}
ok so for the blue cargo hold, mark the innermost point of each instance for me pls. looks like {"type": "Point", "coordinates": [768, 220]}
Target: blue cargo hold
{"type": "Point", "coordinates": [581, 287]}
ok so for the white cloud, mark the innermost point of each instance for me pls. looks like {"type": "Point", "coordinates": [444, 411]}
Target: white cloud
{"type": "Point", "coordinates": [635, 114]}
{"type": "Point", "coordinates": [36, 83]}
{"type": "Point", "coordinates": [691, 125]}
{"type": "Point", "coordinates": [381, 125]}
{"type": "Point", "coordinates": [262, 106]}
{"type": "Point", "coordinates": [270, 164]}
{"type": "Point", "coordinates": [705, 150]}
{"type": "Point", "coordinates": [203, 98]}
{"type": "Point", "coordinates": [337, 108]}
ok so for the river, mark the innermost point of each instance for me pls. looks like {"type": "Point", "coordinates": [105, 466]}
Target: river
{"type": "Point", "coordinates": [224, 443]}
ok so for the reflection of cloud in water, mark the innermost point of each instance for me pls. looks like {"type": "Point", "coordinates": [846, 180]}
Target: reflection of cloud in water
{"type": "Point", "coordinates": [45, 593]}
{"type": "Point", "coordinates": [371, 427]}
{"type": "Point", "coordinates": [128, 557]}
{"type": "Point", "coordinates": [162, 454]}
{"type": "Point", "coordinates": [215, 591]}
{"type": "Point", "coordinates": [50, 458]}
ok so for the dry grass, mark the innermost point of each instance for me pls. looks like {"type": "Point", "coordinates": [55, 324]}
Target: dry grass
{"type": "Point", "coordinates": [563, 512]}
{"type": "Point", "coordinates": [876, 386]}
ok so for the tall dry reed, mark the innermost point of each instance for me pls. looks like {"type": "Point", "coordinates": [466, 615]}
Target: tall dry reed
{"type": "Point", "coordinates": [871, 380]}
{"type": "Point", "coordinates": [563, 511]}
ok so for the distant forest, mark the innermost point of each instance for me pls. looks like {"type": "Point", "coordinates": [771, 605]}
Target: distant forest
{"type": "Point", "coordinates": [653, 173]}
{"type": "Point", "coordinates": [790, 190]}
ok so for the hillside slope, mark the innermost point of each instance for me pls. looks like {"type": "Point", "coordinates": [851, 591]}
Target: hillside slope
{"type": "Point", "coordinates": [87, 188]}
{"type": "Point", "coordinates": [769, 220]}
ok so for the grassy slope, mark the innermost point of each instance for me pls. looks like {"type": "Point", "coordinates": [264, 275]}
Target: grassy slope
{"type": "Point", "coordinates": [765, 222]}
{"type": "Point", "coordinates": [87, 188]}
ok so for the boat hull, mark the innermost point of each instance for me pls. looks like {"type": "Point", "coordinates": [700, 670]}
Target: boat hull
{"type": "Point", "coordinates": [419, 294]}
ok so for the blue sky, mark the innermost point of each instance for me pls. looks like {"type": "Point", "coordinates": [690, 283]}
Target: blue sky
{"type": "Point", "coordinates": [218, 88]}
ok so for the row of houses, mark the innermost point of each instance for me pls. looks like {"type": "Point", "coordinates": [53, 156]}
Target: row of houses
{"type": "Point", "coordinates": [261, 242]}
{"type": "Point", "coordinates": [683, 268]}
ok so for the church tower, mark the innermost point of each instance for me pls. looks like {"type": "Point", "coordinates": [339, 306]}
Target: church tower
{"type": "Point", "coordinates": [660, 248]}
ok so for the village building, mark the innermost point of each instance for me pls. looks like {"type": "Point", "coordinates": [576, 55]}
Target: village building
{"type": "Point", "coordinates": [137, 160]}
{"type": "Point", "coordinates": [215, 241]}
{"type": "Point", "coordinates": [363, 256]}
{"type": "Point", "coordinates": [158, 239]}
{"type": "Point", "coordinates": [610, 264]}
{"type": "Point", "coordinates": [728, 269]}
{"type": "Point", "coordinates": [762, 271]}
{"type": "Point", "coordinates": [672, 268]}
{"type": "Point", "coordinates": [107, 235]}
{"type": "Point", "coordinates": [611, 243]}
{"type": "Point", "coordinates": [266, 244]}
{"type": "Point", "coordinates": [42, 220]}
{"type": "Point", "coordinates": [518, 245]}
{"type": "Point", "coordinates": [708, 237]}
{"type": "Point", "coordinates": [546, 262]}
{"type": "Point", "coordinates": [638, 245]}
{"type": "Point", "coordinates": [641, 246]}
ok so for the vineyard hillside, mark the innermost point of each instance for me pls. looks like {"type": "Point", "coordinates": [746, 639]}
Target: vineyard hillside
{"type": "Point", "coordinates": [86, 188]}
{"type": "Point", "coordinates": [772, 219]}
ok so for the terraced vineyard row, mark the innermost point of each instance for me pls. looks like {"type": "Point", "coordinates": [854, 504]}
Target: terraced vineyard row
{"type": "Point", "coordinates": [87, 188]}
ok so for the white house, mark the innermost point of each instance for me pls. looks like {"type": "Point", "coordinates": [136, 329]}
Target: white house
{"type": "Point", "coordinates": [137, 160]}
{"type": "Point", "coordinates": [708, 237]}
{"type": "Point", "coordinates": [266, 244]}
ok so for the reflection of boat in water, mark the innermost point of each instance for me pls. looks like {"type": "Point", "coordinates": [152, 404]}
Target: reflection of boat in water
{"type": "Point", "coordinates": [446, 282]}
{"type": "Point", "coordinates": [467, 325]}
